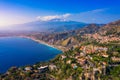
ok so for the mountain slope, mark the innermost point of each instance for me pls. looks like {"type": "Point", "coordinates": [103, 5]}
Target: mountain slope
{"type": "Point", "coordinates": [90, 28]}
{"type": "Point", "coordinates": [112, 28]}
{"type": "Point", "coordinates": [51, 26]}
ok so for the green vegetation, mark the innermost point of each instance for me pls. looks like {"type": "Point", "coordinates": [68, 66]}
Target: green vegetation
{"type": "Point", "coordinates": [86, 57]}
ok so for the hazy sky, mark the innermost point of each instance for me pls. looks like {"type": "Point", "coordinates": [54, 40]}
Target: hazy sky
{"type": "Point", "coordinates": [89, 11]}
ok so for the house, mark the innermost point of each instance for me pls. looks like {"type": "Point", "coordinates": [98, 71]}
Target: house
{"type": "Point", "coordinates": [43, 69]}
{"type": "Point", "coordinates": [105, 55]}
{"type": "Point", "coordinates": [74, 66]}
{"type": "Point", "coordinates": [28, 68]}
{"type": "Point", "coordinates": [68, 62]}
{"type": "Point", "coordinates": [81, 61]}
{"type": "Point", "coordinates": [77, 55]}
{"type": "Point", "coordinates": [82, 54]}
{"type": "Point", "coordinates": [116, 59]}
{"type": "Point", "coordinates": [52, 66]}
{"type": "Point", "coordinates": [63, 56]}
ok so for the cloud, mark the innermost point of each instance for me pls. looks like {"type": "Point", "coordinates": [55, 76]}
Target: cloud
{"type": "Point", "coordinates": [53, 17]}
{"type": "Point", "coordinates": [91, 16]}
{"type": "Point", "coordinates": [66, 15]}
{"type": "Point", "coordinates": [97, 10]}
{"type": "Point", "coordinates": [94, 11]}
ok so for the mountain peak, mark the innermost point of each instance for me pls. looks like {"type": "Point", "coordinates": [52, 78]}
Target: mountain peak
{"type": "Point", "coordinates": [53, 20]}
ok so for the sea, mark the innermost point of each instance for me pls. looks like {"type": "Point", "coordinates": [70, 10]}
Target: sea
{"type": "Point", "coordinates": [17, 51]}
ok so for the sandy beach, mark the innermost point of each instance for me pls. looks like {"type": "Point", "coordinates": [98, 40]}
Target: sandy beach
{"type": "Point", "coordinates": [42, 42]}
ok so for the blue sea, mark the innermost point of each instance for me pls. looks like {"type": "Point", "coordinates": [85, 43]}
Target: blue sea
{"type": "Point", "coordinates": [16, 51]}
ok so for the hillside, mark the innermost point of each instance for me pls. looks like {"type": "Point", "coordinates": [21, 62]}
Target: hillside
{"type": "Point", "coordinates": [89, 29]}
{"type": "Point", "coordinates": [111, 28]}
{"type": "Point", "coordinates": [89, 53]}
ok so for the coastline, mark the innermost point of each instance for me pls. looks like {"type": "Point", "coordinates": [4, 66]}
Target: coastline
{"type": "Point", "coordinates": [61, 48]}
{"type": "Point", "coordinates": [42, 42]}
{"type": "Point", "coordinates": [33, 40]}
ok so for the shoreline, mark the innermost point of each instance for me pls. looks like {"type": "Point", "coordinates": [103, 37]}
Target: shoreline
{"type": "Point", "coordinates": [42, 42]}
{"type": "Point", "coordinates": [35, 40]}
{"type": "Point", "coordinates": [61, 48]}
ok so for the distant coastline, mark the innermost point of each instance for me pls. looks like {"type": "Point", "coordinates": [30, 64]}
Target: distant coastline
{"type": "Point", "coordinates": [61, 48]}
{"type": "Point", "coordinates": [42, 42]}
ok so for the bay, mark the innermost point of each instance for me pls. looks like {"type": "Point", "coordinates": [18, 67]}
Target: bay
{"type": "Point", "coordinates": [16, 51]}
